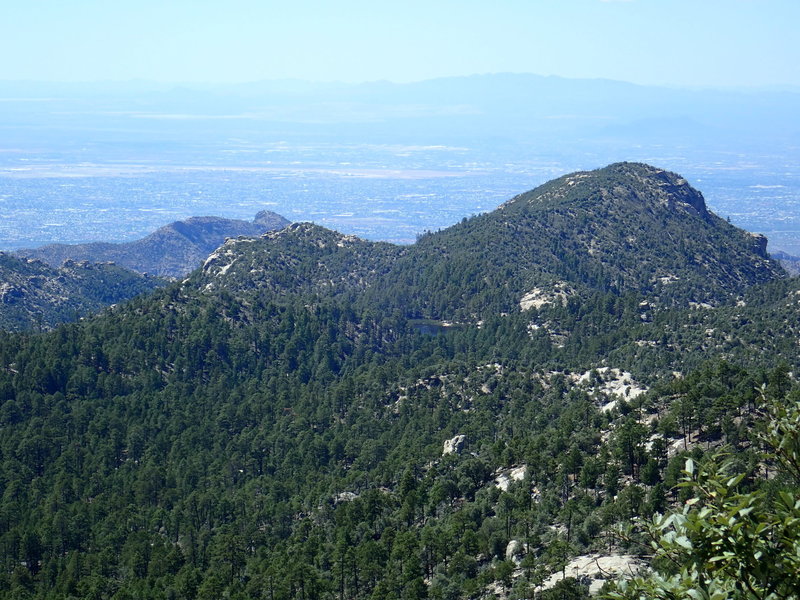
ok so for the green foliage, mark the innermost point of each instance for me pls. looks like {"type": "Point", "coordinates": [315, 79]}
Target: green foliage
{"type": "Point", "coordinates": [273, 426]}
{"type": "Point", "coordinates": [729, 540]}
{"type": "Point", "coordinates": [566, 589]}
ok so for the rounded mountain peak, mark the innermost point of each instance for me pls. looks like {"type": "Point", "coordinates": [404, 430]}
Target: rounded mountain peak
{"type": "Point", "coordinates": [270, 219]}
{"type": "Point", "coordinates": [632, 182]}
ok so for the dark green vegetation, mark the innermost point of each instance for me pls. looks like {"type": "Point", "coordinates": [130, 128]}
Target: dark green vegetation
{"type": "Point", "coordinates": [172, 251]}
{"type": "Point", "coordinates": [273, 427]}
{"type": "Point", "coordinates": [36, 296]}
{"type": "Point", "coordinates": [731, 540]}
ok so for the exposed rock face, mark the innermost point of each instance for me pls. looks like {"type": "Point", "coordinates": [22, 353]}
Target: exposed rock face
{"type": "Point", "coordinates": [454, 445]}
{"type": "Point", "coordinates": [344, 497]}
{"type": "Point", "coordinates": [271, 221]}
{"type": "Point", "coordinates": [678, 193]}
{"type": "Point", "coordinates": [610, 383]}
{"type": "Point", "coordinates": [760, 245]}
{"type": "Point", "coordinates": [507, 476]}
{"type": "Point", "coordinates": [598, 569]}
{"type": "Point", "coordinates": [172, 251]}
{"type": "Point", "coordinates": [515, 550]}
{"type": "Point", "coordinates": [539, 297]}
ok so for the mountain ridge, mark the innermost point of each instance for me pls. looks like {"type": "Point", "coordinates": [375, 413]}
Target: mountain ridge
{"type": "Point", "coordinates": [628, 227]}
{"type": "Point", "coordinates": [171, 251]}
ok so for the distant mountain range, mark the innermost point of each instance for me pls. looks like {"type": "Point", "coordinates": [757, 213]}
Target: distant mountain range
{"type": "Point", "coordinates": [491, 107]}
{"type": "Point", "coordinates": [171, 251]}
{"type": "Point", "coordinates": [789, 262]}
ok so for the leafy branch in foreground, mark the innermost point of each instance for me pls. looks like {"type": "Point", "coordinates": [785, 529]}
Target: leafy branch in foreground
{"type": "Point", "coordinates": [727, 541]}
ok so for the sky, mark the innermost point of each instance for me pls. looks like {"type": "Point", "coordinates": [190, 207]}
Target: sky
{"type": "Point", "coordinates": [709, 43]}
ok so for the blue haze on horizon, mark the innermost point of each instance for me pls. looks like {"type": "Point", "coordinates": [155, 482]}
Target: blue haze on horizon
{"type": "Point", "coordinates": [729, 43]}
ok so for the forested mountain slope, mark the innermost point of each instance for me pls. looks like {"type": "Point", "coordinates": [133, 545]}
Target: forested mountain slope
{"type": "Point", "coordinates": [172, 251]}
{"type": "Point", "coordinates": [299, 260]}
{"type": "Point", "coordinates": [279, 425]}
{"type": "Point", "coordinates": [627, 228]}
{"type": "Point", "coordinates": [34, 295]}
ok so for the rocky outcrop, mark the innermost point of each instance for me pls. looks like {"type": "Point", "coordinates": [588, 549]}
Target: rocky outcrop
{"type": "Point", "coordinates": [598, 569]}
{"type": "Point", "coordinates": [454, 445]}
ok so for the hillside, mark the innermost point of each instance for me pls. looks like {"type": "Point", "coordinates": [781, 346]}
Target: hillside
{"type": "Point", "coordinates": [627, 228]}
{"type": "Point", "coordinates": [172, 251]}
{"type": "Point", "coordinates": [299, 259]}
{"type": "Point", "coordinates": [310, 415]}
{"type": "Point", "coordinates": [34, 295]}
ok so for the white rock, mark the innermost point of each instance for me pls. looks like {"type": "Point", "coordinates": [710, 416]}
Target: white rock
{"type": "Point", "coordinates": [538, 297]}
{"type": "Point", "coordinates": [614, 382]}
{"type": "Point", "coordinates": [598, 568]}
{"type": "Point", "coordinates": [345, 497]}
{"type": "Point", "coordinates": [454, 445]}
{"type": "Point", "coordinates": [506, 476]}
{"type": "Point", "coordinates": [515, 551]}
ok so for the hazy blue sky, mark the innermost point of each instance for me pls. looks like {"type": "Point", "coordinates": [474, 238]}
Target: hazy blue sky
{"type": "Point", "coordinates": [683, 42]}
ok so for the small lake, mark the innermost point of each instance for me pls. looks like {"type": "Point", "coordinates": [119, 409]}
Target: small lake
{"type": "Point", "coordinates": [434, 327]}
